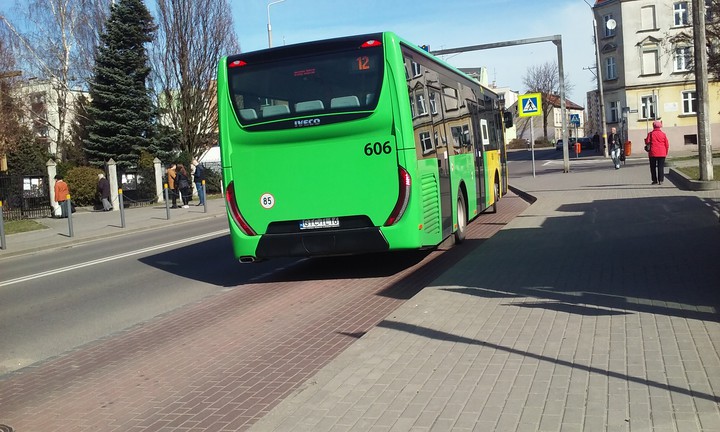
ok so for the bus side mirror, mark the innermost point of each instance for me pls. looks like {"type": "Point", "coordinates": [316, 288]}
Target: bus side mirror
{"type": "Point", "coordinates": [508, 119]}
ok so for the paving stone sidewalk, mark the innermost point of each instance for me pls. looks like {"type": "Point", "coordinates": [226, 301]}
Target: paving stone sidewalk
{"type": "Point", "coordinates": [594, 310]}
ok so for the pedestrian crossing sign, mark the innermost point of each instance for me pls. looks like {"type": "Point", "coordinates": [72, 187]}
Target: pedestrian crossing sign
{"type": "Point", "coordinates": [530, 105]}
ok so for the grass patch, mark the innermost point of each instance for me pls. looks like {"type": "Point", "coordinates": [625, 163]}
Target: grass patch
{"type": "Point", "coordinates": [24, 225]}
{"type": "Point", "coordinates": [693, 157]}
{"type": "Point", "coordinates": [693, 172]}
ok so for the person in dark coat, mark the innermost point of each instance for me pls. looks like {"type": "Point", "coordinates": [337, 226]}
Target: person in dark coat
{"type": "Point", "coordinates": [182, 184]}
{"type": "Point", "coordinates": [614, 146]}
{"type": "Point", "coordinates": [103, 189]}
{"type": "Point", "coordinates": [198, 178]}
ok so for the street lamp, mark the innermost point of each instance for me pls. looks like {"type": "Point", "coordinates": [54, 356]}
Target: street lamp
{"type": "Point", "coordinates": [600, 88]}
{"type": "Point", "coordinates": [611, 24]}
{"type": "Point", "coordinates": [268, 19]}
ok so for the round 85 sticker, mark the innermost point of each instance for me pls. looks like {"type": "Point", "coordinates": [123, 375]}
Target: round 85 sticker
{"type": "Point", "coordinates": [267, 200]}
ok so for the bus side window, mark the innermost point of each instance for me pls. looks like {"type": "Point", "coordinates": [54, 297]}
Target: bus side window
{"type": "Point", "coordinates": [248, 114]}
{"type": "Point", "coordinates": [275, 110]}
{"type": "Point", "coordinates": [345, 102]}
{"type": "Point", "coordinates": [313, 105]}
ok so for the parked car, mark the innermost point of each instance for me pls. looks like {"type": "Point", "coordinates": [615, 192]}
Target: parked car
{"type": "Point", "coordinates": [586, 143]}
{"type": "Point", "coordinates": [559, 144]}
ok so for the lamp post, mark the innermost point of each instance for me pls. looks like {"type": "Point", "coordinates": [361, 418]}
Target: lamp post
{"type": "Point", "coordinates": [600, 88]}
{"type": "Point", "coordinates": [268, 19]}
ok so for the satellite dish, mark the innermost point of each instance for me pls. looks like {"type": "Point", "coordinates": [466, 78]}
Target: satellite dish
{"type": "Point", "coordinates": [611, 24]}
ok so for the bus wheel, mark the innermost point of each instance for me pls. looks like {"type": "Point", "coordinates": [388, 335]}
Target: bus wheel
{"type": "Point", "coordinates": [496, 192]}
{"type": "Point", "coordinates": [461, 219]}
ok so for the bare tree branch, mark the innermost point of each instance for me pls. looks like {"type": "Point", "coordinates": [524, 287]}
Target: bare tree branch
{"type": "Point", "coordinates": [191, 38]}
{"type": "Point", "coordinates": [55, 40]}
{"type": "Point", "coordinates": [545, 79]}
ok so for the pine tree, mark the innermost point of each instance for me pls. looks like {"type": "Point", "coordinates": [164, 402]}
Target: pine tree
{"type": "Point", "coordinates": [121, 108]}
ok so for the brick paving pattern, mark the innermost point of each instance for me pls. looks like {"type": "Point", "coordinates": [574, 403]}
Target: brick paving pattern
{"type": "Point", "coordinates": [223, 363]}
{"type": "Point", "coordinates": [593, 310]}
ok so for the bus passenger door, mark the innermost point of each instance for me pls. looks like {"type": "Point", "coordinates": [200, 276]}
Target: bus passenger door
{"type": "Point", "coordinates": [480, 141]}
{"type": "Point", "coordinates": [441, 139]}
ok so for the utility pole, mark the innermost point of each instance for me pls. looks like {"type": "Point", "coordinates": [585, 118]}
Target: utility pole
{"type": "Point", "coordinates": [701, 89]}
{"type": "Point", "coordinates": [269, 26]}
{"type": "Point", "coordinates": [557, 40]}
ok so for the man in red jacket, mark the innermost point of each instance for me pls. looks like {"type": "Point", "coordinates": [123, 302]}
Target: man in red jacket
{"type": "Point", "coordinates": [659, 145]}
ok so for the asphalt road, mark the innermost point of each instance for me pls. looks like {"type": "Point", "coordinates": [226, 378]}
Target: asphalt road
{"type": "Point", "coordinates": [55, 301]}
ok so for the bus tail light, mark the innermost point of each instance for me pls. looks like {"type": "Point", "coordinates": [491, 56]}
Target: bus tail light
{"type": "Point", "coordinates": [403, 197]}
{"type": "Point", "coordinates": [235, 212]}
{"type": "Point", "coordinates": [237, 63]}
{"type": "Point", "coordinates": [371, 43]}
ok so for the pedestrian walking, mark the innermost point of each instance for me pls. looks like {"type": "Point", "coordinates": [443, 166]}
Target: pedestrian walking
{"type": "Point", "coordinates": [198, 177]}
{"type": "Point", "coordinates": [103, 190]}
{"type": "Point", "coordinates": [657, 146]}
{"type": "Point", "coordinates": [614, 145]}
{"type": "Point", "coordinates": [596, 142]}
{"type": "Point", "coordinates": [61, 192]}
{"type": "Point", "coordinates": [182, 182]}
{"type": "Point", "coordinates": [171, 175]}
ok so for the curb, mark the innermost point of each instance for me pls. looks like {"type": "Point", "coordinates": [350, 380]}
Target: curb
{"type": "Point", "coordinates": [686, 183]}
{"type": "Point", "coordinates": [522, 194]}
{"type": "Point", "coordinates": [81, 240]}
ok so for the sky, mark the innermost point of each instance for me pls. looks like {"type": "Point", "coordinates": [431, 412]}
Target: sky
{"type": "Point", "coordinates": [441, 24]}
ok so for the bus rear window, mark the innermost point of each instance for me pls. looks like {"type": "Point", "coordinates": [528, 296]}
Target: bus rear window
{"type": "Point", "coordinates": [324, 83]}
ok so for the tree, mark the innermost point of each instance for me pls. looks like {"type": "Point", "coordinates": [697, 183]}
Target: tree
{"type": "Point", "coordinates": [545, 79]}
{"type": "Point", "coordinates": [192, 35]}
{"type": "Point", "coordinates": [121, 109]}
{"type": "Point", "coordinates": [712, 33]}
{"type": "Point", "coordinates": [74, 150]}
{"type": "Point", "coordinates": [54, 40]}
{"type": "Point", "coordinates": [11, 128]}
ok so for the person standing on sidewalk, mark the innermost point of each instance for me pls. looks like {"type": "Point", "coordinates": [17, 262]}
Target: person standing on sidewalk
{"type": "Point", "coordinates": [171, 174]}
{"type": "Point", "coordinates": [198, 177]}
{"type": "Point", "coordinates": [182, 183]}
{"type": "Point", "coordinates": [659, 146]}
{"type": "Point", "coordinates": [61, 192]}
{"type": "Point", "coordinates": [614, 145]}
{"type": "Point", "coordinates": [103, 189]}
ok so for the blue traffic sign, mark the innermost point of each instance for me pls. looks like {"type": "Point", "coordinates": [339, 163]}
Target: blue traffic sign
{"type": "Point", "coordinates": [575, 119]}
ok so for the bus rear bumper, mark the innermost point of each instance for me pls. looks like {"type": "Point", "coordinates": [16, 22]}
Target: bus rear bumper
{"type": "Point", "coordinates": [322, 243]}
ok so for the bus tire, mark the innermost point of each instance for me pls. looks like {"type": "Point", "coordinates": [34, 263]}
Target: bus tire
{"type": "Point", "coordinates": [496, 198]}
{"type": "Point", "coordinates": [461, 219]}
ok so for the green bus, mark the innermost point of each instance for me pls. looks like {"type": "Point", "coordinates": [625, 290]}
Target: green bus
{"type": "Point", "coordinates": [354, 145]}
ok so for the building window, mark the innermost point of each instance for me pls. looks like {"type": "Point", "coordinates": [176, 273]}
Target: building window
{"type": "Point", "coordinates": [412, 107]}
{"type": "Point", "coordinates": [613, 112]}
{"type": "Point", "coordinates": [650, 56]}
{"type": "Point", "coordinates": [647, 17]}
{"type": "Point", "coordinates": [689, 101]}
{"type": "Point", "coordinates": [682, 59]}
{"type": "Point", "coordinates": [420, 103]}
{"type": "Point", "coordinates": [610, 68]}
{"type": "Point", "coordinates": [680, 13]}
{"type": "Point", "coordinates": [433, 103]}
{"type": "Point", "coordinates": [451, 98]}
{"type": "Point", "coordinates": [608, 31]}
{"type": "Point", "coordinates": [426, 142]}
{"type": "Point", "coordinates": [416, 69]}
{"type": "Point", "coordinates": [647, 104]}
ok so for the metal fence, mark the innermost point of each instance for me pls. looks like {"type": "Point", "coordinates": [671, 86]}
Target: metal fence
{"type": "Point", "coordinates": [25, 197]}
{"type": "Point", "coordinates": [136, 191]}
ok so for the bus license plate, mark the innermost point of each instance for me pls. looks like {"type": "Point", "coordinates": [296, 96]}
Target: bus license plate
{"type": "Point", "coordinates": [320, 223]}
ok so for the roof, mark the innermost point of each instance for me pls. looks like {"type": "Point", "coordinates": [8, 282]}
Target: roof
{"type": "Point", "coordinates": [554, 100]}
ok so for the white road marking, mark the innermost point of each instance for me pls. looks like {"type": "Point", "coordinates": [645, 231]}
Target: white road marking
{"type": "Point", "coordinates": [110, 258]}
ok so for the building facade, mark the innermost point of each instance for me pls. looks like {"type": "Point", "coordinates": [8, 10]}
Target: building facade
{"type": "Point", "coordinates": [646, 71]}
